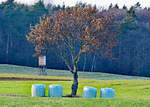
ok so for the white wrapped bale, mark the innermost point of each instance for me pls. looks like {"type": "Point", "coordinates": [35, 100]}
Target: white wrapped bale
{"type": "Point", "coordinates": [55, 91]}
{"type": "Point", "coordinates": [107, 93]}
{"type": "Point", "coordinates": [38, 90]}
{"type": "Point", "coordinates": [89, 92]}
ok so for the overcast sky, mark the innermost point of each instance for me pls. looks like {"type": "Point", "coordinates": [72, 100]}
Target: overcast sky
{"type": "Point", "coordinates": [103, 3]}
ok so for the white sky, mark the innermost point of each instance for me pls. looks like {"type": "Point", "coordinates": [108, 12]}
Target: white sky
{"type": "Point", "coordinates": [103, 3]}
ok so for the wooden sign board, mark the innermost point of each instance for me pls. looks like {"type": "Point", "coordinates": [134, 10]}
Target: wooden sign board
{"type": "Point", "coordinates": [42, 60]}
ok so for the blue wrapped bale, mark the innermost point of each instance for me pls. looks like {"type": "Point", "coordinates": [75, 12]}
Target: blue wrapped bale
{"type": "Point", "coordinates": [38, 90]}
{"type": "Point", "coordinates": [89, 92]}
{"type": "Point", "coordinates": [55, 91]}
{"type": "Point", "coordinates": [107, 93]}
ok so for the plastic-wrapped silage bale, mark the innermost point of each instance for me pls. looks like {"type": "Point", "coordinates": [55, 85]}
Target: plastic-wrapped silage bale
{"type": "Point", "coordinates": [55, 90]}
{"type": "Point", "coordinates": [38, 90]}
{"type": "Point", "coordinates": [107, 93]}
{"type": "Point", "coordinates": [89, 92]}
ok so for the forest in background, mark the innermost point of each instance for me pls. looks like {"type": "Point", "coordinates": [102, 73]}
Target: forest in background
{"type": "Point", "coordinates": [131, 56]}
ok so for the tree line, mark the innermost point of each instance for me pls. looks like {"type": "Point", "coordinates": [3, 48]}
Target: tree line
{"type": "Point", "coordinates": [130, 56]}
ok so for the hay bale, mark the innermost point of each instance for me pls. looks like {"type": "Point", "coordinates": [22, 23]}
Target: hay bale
{"type": "Point", "coordinates": [38, 90]}
{"type": "Point", "coordinates": [107, 93]}
{"type": "Point", "coordinates": [89, 92]}
{"type": "Point", "coordinates": [55, 91]}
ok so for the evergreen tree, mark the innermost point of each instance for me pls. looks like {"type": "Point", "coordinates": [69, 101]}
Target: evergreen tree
{"type": "Point", "coordinates": [39, 6]}
{"type": "Point", "coordinates": [110, 6]}
{"type": "Point", "coordinates": [116, 6]}
{"type": "Point", "coordinates": [37, 10]}
{"type": "Point", "coordinates": [128, 41]}
{"type": "Point", "coordinates": [130, 21]}
{"type": "Point", "coordinates": [124, 7]}
{"type": "Point", "coordinates": [8, 4]}
{"type": "Point", "coordinates": [58, 7]}
{"type": "Point", "coordinates": [80, 4]}
{"type": "Point", "coordinates": [137, 5]}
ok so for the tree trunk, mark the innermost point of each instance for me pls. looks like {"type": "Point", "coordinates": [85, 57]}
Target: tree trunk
{"type": "Point", "coordinates": [75, 83]}
{"type": "Point", "coordinates": [7, 49]}
{"type": "Point", "coordinates": [84, 63]}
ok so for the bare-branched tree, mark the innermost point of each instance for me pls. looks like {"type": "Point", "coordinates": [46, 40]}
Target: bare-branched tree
{"type": "Point", "coordinates": [73, 32]}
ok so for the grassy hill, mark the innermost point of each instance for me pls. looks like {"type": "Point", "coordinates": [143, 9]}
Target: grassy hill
{"type": "Point", "coordinates": [13, 69]}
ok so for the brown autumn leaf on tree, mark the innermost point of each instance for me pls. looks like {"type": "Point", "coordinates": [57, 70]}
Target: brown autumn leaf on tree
{"type": "Point", "coordinates": [73, 32]}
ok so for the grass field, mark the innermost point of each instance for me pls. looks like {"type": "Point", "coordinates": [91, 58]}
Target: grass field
{"type": "Point", "coordinates": [12, 69]}
{"type": "Point", "coordinates": [129, 91]}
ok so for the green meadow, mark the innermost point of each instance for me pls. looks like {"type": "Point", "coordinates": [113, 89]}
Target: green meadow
{"type": "Point", "coordinates": [130, 91]}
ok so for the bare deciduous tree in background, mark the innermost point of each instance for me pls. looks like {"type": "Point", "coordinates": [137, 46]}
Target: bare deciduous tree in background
{"type": "Point", "coordinates": [73, 32]}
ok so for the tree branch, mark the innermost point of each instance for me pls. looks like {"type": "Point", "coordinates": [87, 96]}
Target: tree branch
{"type": "Point", "coordinates": [67, 63]}
{"type": "Point", "coordinates": [77, 58]}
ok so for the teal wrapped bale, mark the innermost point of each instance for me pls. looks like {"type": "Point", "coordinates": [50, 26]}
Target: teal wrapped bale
{"type": "Point", "coordinates": [55, 91]}
{"type": "Point", "coordinates": [38, 90]}
{"type": "Point", "coordinates": [107, 93]}
{"type": "Point", "coordinates": [89, 92]}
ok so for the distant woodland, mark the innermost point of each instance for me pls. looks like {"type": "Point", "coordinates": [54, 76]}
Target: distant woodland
{"type": "Point", "coordinates": [131, 56]}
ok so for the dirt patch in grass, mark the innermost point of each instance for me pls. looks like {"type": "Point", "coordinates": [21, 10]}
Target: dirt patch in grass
{"type": "Point", "coordinates": [72, 96]}
{"type": "Point", "coordinates": [30, 79]}
{"type": "Point", "coordinates": [13, 95]}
